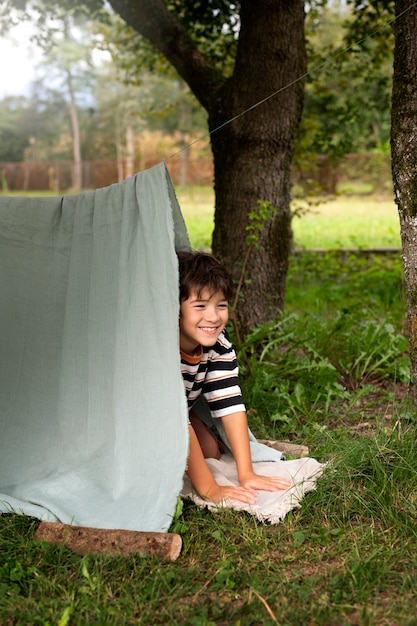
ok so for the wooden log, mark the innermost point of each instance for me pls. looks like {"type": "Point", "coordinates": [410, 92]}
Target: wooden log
{"type": "Point", "coordinates": [85, 540]}
{"type": "Point", "coordinates": [294, 449]}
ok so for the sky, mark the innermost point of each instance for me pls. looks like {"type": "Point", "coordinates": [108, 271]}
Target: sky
{"type": "Point", "coordinates": [18, 58]}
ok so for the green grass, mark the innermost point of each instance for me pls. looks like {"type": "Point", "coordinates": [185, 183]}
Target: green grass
{"type": "Point", "coordinates": [349, 222]}
{"type": "Point", "coordinates": [348, 556]}
{"type": "Point", "coordinates": [197, 206]}
{"type": "Point", "coordinates": [332, 374]}
{"type": "Point", "coordinates": [337, 354]}
{"type": "Point", "coordinates": [342, 222]}
{"type": "Point", "coordinates": [329, 282]}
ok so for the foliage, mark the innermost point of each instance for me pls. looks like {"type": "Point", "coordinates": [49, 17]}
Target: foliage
{"type": "Point", "coordinates": [133, 57]}
{"type": "Point", "coordinates": [34, 128]}
{"type": "Point", "coordinates": [213, 26]}
{"type": "Point", "coordinates": [13, 129]}
{"type": "Point", "coordinates": [377, 467]}
{"type": "Point", "coordinates": [37, 127]}
{"type": "Point", "coordinates": [258, 219]}
{"type": "Point", "coordinates": [298, 370]}
{"type": "Point", "coordinates": [332, 282]}
{"type": "Point", "coordinates": [202, 41]}
{"type": "Point", "coordinates": [370, 17]}
{"type": "Point", "coordinates": [342, 74]}
{"type": "Point", "coordinates": [345, 73]}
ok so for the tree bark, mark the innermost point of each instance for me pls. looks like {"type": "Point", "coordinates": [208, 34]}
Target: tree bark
{"type": "Point", "coordinates": [404, 158]}
{"type": "Point", "coordinates": [253, 153]}
{"type": "Point", "coordinates": [84, 540]}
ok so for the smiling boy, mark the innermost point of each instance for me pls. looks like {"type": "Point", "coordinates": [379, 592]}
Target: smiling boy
{"type": "Point", "coordinates": [209, 367]}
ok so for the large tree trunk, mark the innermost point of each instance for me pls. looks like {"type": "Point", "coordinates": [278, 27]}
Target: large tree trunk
{"type": "Point", "coordinates": [252, 155]}
{"type": "Point", "coordinates": [404, 157]}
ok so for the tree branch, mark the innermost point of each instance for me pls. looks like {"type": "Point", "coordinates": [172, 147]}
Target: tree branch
{"type": "Point", "coordinates": [152, 20]}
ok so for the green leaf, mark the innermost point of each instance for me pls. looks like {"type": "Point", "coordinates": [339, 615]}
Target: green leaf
{"type": "Point", "coordinates": [299, 537]}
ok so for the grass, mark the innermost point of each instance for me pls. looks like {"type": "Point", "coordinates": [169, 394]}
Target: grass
{"type": "Point", "coordinates": [332, 374]}
{"type": "Point", "coordinates": [197, 207]}
{"type": "Point", "coordinates": [348, 556]}
{"type": "Point", "coordinates": [340, 222]}
{"type": "Point", "coordinates": [349, 222]}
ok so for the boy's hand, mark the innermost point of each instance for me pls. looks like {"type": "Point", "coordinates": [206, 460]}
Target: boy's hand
{"type": "Point", "coordinates": [218, 494]}
{"type": "Point", "coordinates": [236, 427]}
{"type": "Point", "coordinates": [203, 480]}
{"type": "Point", "coordinates": [248, 489]}
{"type": "Point", "coordinates": [265, 483]}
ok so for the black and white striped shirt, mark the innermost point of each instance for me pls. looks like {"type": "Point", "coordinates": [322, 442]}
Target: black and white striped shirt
{"type": "Point", "coordinates": [214, 373]}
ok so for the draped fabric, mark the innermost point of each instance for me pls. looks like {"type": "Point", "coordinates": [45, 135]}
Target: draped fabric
{"type": "Point", "coordinates": [93, 418]}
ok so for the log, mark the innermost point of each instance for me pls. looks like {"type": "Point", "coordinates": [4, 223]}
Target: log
{"type": "Point", "coordinates": [294, 449]}
{"type": "Point", "coordinates": [85, 540]}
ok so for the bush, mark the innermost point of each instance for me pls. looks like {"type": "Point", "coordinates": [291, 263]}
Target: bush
{"type": "Point", "coordinates": [334, 344]}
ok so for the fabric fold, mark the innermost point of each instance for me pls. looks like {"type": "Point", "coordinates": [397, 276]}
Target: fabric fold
{"type": "Point", "coordinates": [93, 418]}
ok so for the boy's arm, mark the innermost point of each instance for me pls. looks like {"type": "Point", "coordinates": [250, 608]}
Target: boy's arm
{"type": "Point", "coordinates": [203, 480]}
{"type": "Point", "coordinates": [236, 428]}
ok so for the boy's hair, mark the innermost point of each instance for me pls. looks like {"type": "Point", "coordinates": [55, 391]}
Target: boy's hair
{"type": "Point", "coordinates": [199, 271]}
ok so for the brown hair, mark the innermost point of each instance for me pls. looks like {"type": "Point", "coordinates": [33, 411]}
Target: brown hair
{"type": "Point", "coordinates": [199, 271]}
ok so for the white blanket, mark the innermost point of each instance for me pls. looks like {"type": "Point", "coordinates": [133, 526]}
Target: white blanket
{"type": "Point", "coordinates": [269, 507]}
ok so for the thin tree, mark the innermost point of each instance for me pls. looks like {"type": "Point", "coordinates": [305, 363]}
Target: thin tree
{"type": "Point", "coordinates": [404, 157]}
{"type": "Point", "coordinates": [67, 63]}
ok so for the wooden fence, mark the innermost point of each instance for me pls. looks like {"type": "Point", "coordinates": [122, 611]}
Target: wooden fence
{"type": "Point", "coordinates": [316, 174]}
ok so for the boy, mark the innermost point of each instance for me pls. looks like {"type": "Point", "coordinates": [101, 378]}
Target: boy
{"type": "Point", "coordinates": [209, 367]}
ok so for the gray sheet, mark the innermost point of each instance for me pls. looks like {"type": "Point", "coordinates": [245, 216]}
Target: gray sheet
{"type": "Point", "coordinates": [93, 426]}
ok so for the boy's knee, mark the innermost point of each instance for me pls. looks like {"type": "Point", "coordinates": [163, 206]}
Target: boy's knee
{"type": "Point", "coordinates": [208, 442]}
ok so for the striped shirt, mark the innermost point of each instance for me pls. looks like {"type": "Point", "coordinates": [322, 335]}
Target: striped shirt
{"type": "Point", "coordinates": [213, 373]}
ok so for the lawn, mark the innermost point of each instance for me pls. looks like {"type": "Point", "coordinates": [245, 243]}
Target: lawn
{"type": "Point", "coordinates": [340, 222]}
{"type": "Point", "coordinates": [332, 374]}
{"type": "Point", "coordinates": [349, 222]}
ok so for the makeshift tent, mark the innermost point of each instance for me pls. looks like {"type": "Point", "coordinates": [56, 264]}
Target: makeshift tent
{"type": "Point", "coordinates": [93, 426]}
{"type": "Point", "coordinates": [93, 416]}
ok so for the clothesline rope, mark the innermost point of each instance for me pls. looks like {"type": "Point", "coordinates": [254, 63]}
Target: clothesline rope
{"type": "Point", "coordinates": [302, 77]}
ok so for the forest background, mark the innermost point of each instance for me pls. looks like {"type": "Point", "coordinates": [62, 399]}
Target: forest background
{"type": "Point", "coordinates": [97, 112]}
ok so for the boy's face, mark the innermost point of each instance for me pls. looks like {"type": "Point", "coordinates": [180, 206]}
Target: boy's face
{"type": "Point", "coordinates": [202, 319]}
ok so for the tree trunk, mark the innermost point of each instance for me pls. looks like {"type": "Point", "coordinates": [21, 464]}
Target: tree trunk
{"type": "Point", "coordinates": [404, 157]}
{"type": "Point", "coordinates": [252, 155]}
